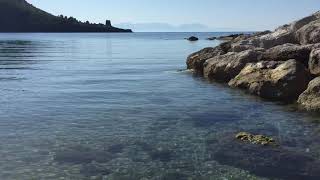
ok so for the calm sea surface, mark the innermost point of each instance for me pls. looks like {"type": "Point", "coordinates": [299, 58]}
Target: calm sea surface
{"type": "Point", "coordinates": [121, 106]}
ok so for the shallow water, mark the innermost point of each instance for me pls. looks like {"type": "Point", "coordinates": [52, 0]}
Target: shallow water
{"type": "Point", "coordinates": [118, 106]}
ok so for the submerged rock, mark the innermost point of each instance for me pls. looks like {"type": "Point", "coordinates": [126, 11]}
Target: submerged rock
{"type": "Point", "coordinates": [273, 80]}
{"type": "Point", "coordinates": [192, 38]}
{"type": "Point", "coordinates": [116, 148]}
{"type": "Point", "coordinates": [174, 176]}
{"type": "Point", "coordinates": [255, 139]}
{"type": "Point", "coordinates": [266, 161]}
{"type": "Point", "coordinates": [89, 170]}
{"type": "Point", "coordinates": [225, 67]}
{"type": "Point", "coordinates": [161, 154]}
{"type": "Point", "coordinates": [81, 155]}
{"type": "Point", "coordinates": [310, 99]}
{"type": "Point", "coordinates": [214, 117]}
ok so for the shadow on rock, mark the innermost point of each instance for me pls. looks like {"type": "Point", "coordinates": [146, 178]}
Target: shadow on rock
{"type": "Point", "coordinates": [265, 161]}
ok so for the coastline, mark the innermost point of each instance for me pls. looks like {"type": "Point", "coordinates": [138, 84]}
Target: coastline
{"type": "Point", "coordinates": [281, 65]}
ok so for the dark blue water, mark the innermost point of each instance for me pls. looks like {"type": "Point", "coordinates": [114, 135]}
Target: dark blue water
{"type": "Point", "coordinates": [121, 106]}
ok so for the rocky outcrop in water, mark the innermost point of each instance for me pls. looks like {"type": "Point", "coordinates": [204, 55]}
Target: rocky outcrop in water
{"type": "Point", "coordinates": [310, 99]}
{"type": "Point", "coordinates": [276, 65]}
{"type": "Point", "coordinates": [255, 139]}
{"type": "Point", "coordinates": [276, 80]}
{"type": "Point", "coordinates": [192, 38]}
{"type": "Point", "coordinates": [196, 60]}
{"type": "Point", "coordinates": [227, 66]}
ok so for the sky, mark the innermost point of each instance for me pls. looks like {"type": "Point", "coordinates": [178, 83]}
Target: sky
{"type": "Point", "coordinates": [184, 15]}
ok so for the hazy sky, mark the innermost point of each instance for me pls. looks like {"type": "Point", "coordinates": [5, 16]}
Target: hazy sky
{"type": "Point", "coordinates": [225, 14]}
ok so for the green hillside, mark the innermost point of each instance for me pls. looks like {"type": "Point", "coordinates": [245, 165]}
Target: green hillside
{"type": "Point", "coordinates": [20, 16]}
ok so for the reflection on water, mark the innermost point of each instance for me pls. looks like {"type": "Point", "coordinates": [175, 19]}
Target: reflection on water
{"type": "Point", "coordinates": [110, 106]}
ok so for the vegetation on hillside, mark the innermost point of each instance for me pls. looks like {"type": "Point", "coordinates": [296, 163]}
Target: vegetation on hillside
{"type": "Point", "coordinates": [20, 16]}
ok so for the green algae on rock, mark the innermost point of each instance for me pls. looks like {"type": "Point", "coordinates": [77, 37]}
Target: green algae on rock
{"type": "Point", "coordinates": [255, 139]}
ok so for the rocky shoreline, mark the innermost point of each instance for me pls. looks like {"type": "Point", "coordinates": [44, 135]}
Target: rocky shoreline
{"type": "Point", "coordinates": [282, 65]}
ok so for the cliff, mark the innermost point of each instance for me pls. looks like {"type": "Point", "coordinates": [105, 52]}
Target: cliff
{"type": "Point", "coordinates": [20, 16]}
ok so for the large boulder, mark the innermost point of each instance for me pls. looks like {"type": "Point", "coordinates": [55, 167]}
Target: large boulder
{"type": "Point", "coordinates": [266, 40]}
{"type": "Point", "coordinates": [303, 31]}
{"type": "Point", "coordinates": [225, 67]}
{"type": "Point", "coordinates": [288, 51]}
{"type": "Point", "coordinates": [304, 21]}
{"type": "Point", "coordinates": [307, 30]}
{"type": "Point", "coordinates": [310, 99]}
{"type": "Point", "coordinates": [314, 62]}
{"type": "Point", "coordinates": [242, 45]}
{"type": "Point", "coordinates": [282, 35]}
{"type": "Point", "coordinates": [196, 60]}
{"type": "Point", "coordinates": [310, 33]}
{"type": "Point", "coordinates": [275, 80]}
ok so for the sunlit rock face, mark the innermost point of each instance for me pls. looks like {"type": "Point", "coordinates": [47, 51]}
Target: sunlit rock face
{"type": "Point", "coordinates": [310, 99]}
{"type": "Point", "coordinates": [275, 80]}
{"type": "Point", "coordinates": [276, 65]}
{"type": "Point", "coordinates": [196, 60]}
{"type": "Point", "coordinates": [225, 67]}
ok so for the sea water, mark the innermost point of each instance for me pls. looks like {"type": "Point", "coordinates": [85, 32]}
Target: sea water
{"type": "Point", "coordinates": [122, 106]}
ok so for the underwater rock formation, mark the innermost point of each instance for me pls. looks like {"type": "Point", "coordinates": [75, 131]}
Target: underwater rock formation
{"type": "Point", "coordinates": [255, 139]}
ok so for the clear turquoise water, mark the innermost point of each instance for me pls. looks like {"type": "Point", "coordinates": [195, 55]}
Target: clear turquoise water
{"type": "Point", "coordinates": [121, 106]}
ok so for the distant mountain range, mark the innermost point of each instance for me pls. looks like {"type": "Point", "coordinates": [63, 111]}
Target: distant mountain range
{"type": "Point", "coordinates": [165, 27]}
{"type": "Point", "coordinates": [20, 16]}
